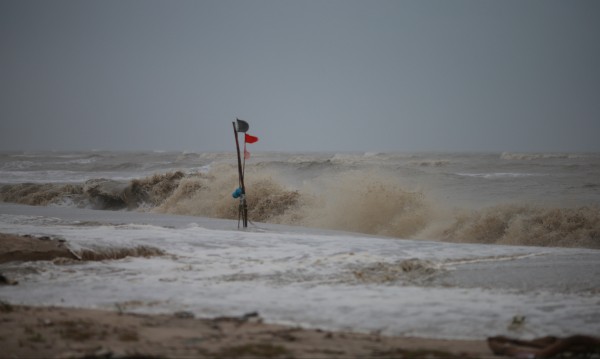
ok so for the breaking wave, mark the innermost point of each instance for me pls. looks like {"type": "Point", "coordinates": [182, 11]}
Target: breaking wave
{"type": "Point", "coordinates": [354, 200]}
{"type": "Point", "coordinates": [527, 225]}
{"type": "Point", "coordinates": [100, 254]}
{"type": "Point", "coordinates": [361, 202]}
{"type": "Point", "coordinates": [38, 194]}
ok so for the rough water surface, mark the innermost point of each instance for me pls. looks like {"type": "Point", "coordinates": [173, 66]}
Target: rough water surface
{"type": "Point", "coordinates": [546, 199]}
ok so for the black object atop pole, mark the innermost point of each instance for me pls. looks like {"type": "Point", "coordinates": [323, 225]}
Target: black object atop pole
{"type": "Point", "coordinates": [242, 126]}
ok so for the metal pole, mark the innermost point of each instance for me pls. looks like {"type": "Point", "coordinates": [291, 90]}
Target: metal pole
{"type": "Point", "coordinates": [243, 206]}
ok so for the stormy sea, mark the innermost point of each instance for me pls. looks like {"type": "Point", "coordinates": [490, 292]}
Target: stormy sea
{"type": "Point", "coordinates": [449, 245]}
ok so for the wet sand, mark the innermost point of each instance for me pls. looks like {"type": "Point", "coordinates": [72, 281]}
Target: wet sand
{"type": "Point", "coordinates": [50, 332]}
{"type": "Point", "coordinates": [29, 248]}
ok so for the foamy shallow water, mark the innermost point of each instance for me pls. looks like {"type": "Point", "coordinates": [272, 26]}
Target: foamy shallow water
{"type": "Point", "coordinates": [300, 276]}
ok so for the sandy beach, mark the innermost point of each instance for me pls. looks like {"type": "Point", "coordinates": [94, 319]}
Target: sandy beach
{"type": "Point", "coordinates": [51, 332]}
{"type": "Point", "coordinates": [57, 332]}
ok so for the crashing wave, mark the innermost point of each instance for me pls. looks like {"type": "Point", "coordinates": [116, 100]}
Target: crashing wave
{"type": "Point", "coordinates": [356, 200]}
{"type": "Point", "coordinates": [527, 225]}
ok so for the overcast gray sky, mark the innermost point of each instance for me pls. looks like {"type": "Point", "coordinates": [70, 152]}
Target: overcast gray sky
{"type": "Point", "coordinates": [312, 75]}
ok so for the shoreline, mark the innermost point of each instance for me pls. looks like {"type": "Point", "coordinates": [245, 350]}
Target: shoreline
{"type": "Point", "coordinates": [57, 332]}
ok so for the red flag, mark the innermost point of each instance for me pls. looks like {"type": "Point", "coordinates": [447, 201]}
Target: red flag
{"type": "Point", "coordinates": [246, 154]}
{"type": "Point", "coordinates": [250, 139]}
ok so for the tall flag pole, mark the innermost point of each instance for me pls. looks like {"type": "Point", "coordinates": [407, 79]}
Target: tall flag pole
{"type": "Point", "coordinates": [240, 192]}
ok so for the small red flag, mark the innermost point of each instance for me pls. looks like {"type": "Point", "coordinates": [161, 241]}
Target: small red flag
{"type": "Point", "coordinates": [250, 138]}
{"type": "Point", "coordinates": [246, 154]}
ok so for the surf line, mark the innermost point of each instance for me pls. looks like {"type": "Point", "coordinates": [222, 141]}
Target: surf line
{"type": "Point", "coordinates": [240, 192]}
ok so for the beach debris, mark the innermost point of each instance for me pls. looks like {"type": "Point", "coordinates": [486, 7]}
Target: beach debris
{"type": "Point", "coordinates": [517, 323]}
{"type": "Point", "coordinates": [250, 317]}
{"type": "Point", "coordinates": [574, 346]}
{"type": "Point", "coordinates": [7, 281]}
{"type": "Point", "coordinates": [5, 307]}
{"type": "Point", "coordinates": [184, 315]}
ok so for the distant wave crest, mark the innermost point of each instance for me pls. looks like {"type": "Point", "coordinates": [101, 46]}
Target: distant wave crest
{"type": "Point", "coordinates": [536, 156]}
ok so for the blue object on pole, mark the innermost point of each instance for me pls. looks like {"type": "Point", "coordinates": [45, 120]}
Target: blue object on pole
{"type": "Point", "coordinates": [237, 193]}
